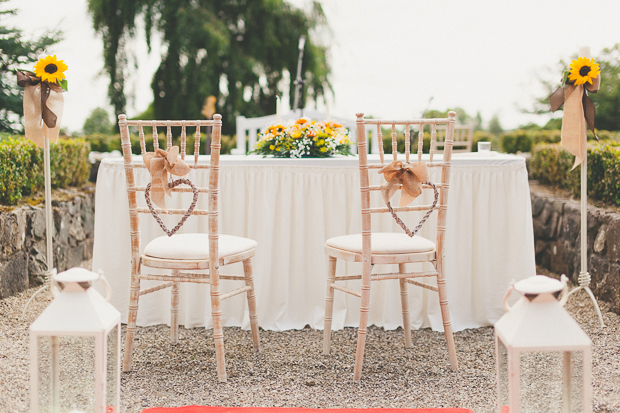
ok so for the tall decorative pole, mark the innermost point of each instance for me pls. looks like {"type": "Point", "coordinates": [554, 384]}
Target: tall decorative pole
{"type": "Point", "coordinates": [579, 112]}
{"type": "Point", "coordinates": [298, 79]}
{"type": "Point", "coordinates": [43, 107]}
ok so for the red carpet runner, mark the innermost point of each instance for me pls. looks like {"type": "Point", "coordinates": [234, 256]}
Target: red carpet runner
{"type": "Point", "coordinates": [219, 409]}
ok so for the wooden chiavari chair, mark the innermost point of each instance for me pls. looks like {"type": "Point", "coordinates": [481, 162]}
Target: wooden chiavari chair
{"type": "Point", "coordinates": [182, 254]}
{"type": "Point", "coordinates": [463, 138]}
{"type": "Point", "coordinates": [393, 248]}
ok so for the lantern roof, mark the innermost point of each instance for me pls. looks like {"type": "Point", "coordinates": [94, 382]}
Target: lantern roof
{"type": "Point", "coordinates": [541, 324]}
{"type": "Point", "coordinates": [538, 284]}
{"type": "Point", "coordinates": [76, 311]}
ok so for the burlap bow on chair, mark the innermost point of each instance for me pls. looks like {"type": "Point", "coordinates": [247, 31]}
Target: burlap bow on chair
{"type": "Point", "coordinates": [411, 177]}
{"type": "Point", "coordinates": [159, 164]}
{"type": "Point", "coordinates": [43, 107]}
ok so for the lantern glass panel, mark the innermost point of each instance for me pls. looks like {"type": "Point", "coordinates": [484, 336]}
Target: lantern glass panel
{"type": "Point", "coordinates": [66, 374]}
{"type": "Point", "coordinates": [112, 368]}
{"type": "Point", "coordinates": [549, 380]}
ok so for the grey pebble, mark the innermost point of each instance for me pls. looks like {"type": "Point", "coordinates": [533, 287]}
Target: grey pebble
{"type": "Point", "coordinates": [393, 376]}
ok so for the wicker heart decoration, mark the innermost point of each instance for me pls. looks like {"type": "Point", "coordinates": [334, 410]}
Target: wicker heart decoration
{"type": "Point", "coordinates": [187, 213]}
{"type": "Point", "coordinates": [424, 218]}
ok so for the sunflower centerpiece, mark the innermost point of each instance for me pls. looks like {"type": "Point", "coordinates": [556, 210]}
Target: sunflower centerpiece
{"type": "Point", "coordinates": [43, 101]}
{"type": "Point", "coordinates": [305, 138]}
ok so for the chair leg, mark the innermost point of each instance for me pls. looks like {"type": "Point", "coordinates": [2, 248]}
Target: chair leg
{"type": "Point", "coordinates": [174, 314]}
{"type": "Point", "coordinates": [329, 304]}
{"type": "Point", "coordinates": [134, 296]}
{"type": "Point", "coordinates": [447, 324]}
{"type": "Point", "coordinates": [251, 296]}
{"type": "Point", "coordinates": [218, 331]}
{"type": "Point", "coordinates": [404, 301]}
{"type": "Point", "coordinates": [362, 330]}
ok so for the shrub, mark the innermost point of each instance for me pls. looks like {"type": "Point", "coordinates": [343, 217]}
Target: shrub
{"type": "Point", "coordinates": [483, 136]}
{"type": "Point", "coordinates": [522, 140]}
{"type": "Point", "coordinates": [21, 166]}
{"type": "Point", "coordinates": [551, 164]}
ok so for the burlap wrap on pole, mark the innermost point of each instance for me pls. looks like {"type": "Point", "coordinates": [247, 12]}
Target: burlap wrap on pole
{"type": "Point", "coordinates": [43, 107]}
{"type": "Point", "coordinates": [159, 164]}
{"type": "Point", "coordinates": [579, 114]}
{"type": "Point", "coordinates": [410, 176]}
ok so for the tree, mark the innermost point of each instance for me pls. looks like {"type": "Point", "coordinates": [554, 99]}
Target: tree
{"type": "Point", "coordinates": [494, 126]}
{"type": "Point", "coordinates": [606, 100]}
{"type": "Point", "coordinates": [236, 50]}
{"type": "Point", "coordinates": [97, 122]}
{"type": "Point", "coordinates": [478, 122]}
{"type": "Point", "coordinates": [16, 52]}
{"type": "Point", "coordinates": [462, 117]}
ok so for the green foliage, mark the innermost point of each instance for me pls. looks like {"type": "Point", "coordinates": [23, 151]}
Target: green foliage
{"type": "Point", "coordinates": [21, 166]}
{"type": "Point", "coordinates": [245, 45]}
{"type": "Point", "coordinates": [100, 142]}
{"type": "Point", "coordinates": [69, 163]}
{"type": "Point", "coordinates": [16, 52]}
{"type": "Point", "coordinates": [494, 126]}
{"type": "Point", "coordinates": [521, 140]}
{"type": "Point", "coordinates": [462, 117]}
{"type": "Point", "coordinates": [606, 100]}
{"type": "Point", "coordinates": [483, 136]}
{"type": "Point", "coordinates": [97, 122]}
{"type": "Point", "coordinates": [551, 164]}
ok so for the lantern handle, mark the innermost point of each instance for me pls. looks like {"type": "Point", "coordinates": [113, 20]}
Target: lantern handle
{"type": "Point", "coordinates": [512, 287]}
{"type": "Point", "coordinates": [106, 285]}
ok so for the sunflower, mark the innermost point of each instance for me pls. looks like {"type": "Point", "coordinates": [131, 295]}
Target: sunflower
{"type": "Point", "coordinates": [50, 69]}
{"type": "Point", "coordinates": [583, 70]}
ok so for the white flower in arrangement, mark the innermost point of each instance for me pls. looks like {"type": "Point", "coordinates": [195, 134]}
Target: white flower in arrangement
{"type": "Point", "coordinates": [305, 138]}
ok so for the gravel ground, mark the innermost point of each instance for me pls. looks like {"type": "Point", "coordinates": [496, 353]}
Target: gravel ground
{"type": "Point", "coordinates": [291, 369]}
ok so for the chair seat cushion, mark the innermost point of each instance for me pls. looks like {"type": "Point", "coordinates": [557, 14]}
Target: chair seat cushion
{"type": "Point", "coordinates": [383, 243]}
{"type": "Point", "coordinates": [195, 246]}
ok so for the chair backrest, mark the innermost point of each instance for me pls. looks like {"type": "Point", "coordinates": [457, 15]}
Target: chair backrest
{"type": "Point", "coordinates": [463, 138]}
{"type": "Point", "coordinates": [433, 162]}
{"type": "Point", "coordinates": [130, 165]}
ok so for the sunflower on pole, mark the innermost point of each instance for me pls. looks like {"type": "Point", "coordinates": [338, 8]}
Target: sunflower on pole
{"type": "Point", "coordinates": [43, 107]}
{"type": "Point", "coordinates": [43, 100]}
{"type": "Point", "coordinates": [583, 77]}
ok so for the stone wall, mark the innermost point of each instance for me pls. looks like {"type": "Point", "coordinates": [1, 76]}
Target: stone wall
{"type": "Point", "coordinates": [23, 247]}
{"type": "Point", "coordinates": [557, 231]}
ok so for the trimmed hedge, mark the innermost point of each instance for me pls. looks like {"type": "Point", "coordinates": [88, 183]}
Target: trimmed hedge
{"type": "Point", "coordinates": [108, 143]}
{"type": "Point", "coordinates": [522, 140]}
{"type": "Point", "coordinates": [21, 166]}
{"type": "Point", "coordinates": [551, 164]}
{"type": "Point", "coordinates": [479, 136]}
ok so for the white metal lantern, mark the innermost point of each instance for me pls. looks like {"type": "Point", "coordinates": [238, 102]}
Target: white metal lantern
{"type": "Point", "coordinates": [543, 356]}
{"type": "Point", "coordinates": [75, 349]}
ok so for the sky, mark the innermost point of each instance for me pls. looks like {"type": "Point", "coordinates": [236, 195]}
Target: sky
{"type": "Point", "coordinates": [389, 58]}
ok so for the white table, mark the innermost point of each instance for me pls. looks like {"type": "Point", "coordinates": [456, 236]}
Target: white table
{"type": "Point", "coordinates": [291, 206]}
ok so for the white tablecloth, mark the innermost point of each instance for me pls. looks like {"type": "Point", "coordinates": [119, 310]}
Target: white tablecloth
{"type": "Point", "coordinates": [291, 206]}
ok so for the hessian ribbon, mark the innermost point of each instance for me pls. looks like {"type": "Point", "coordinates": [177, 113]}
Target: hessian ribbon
{"type": "Point", "coordinates": [43, 107]}
{"type": "Point", "coordinates": [579, 113]}
{"type": "Point", "coordinates": [411, 176]}
{"type": "Point", "coordinates": [159, 164]}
